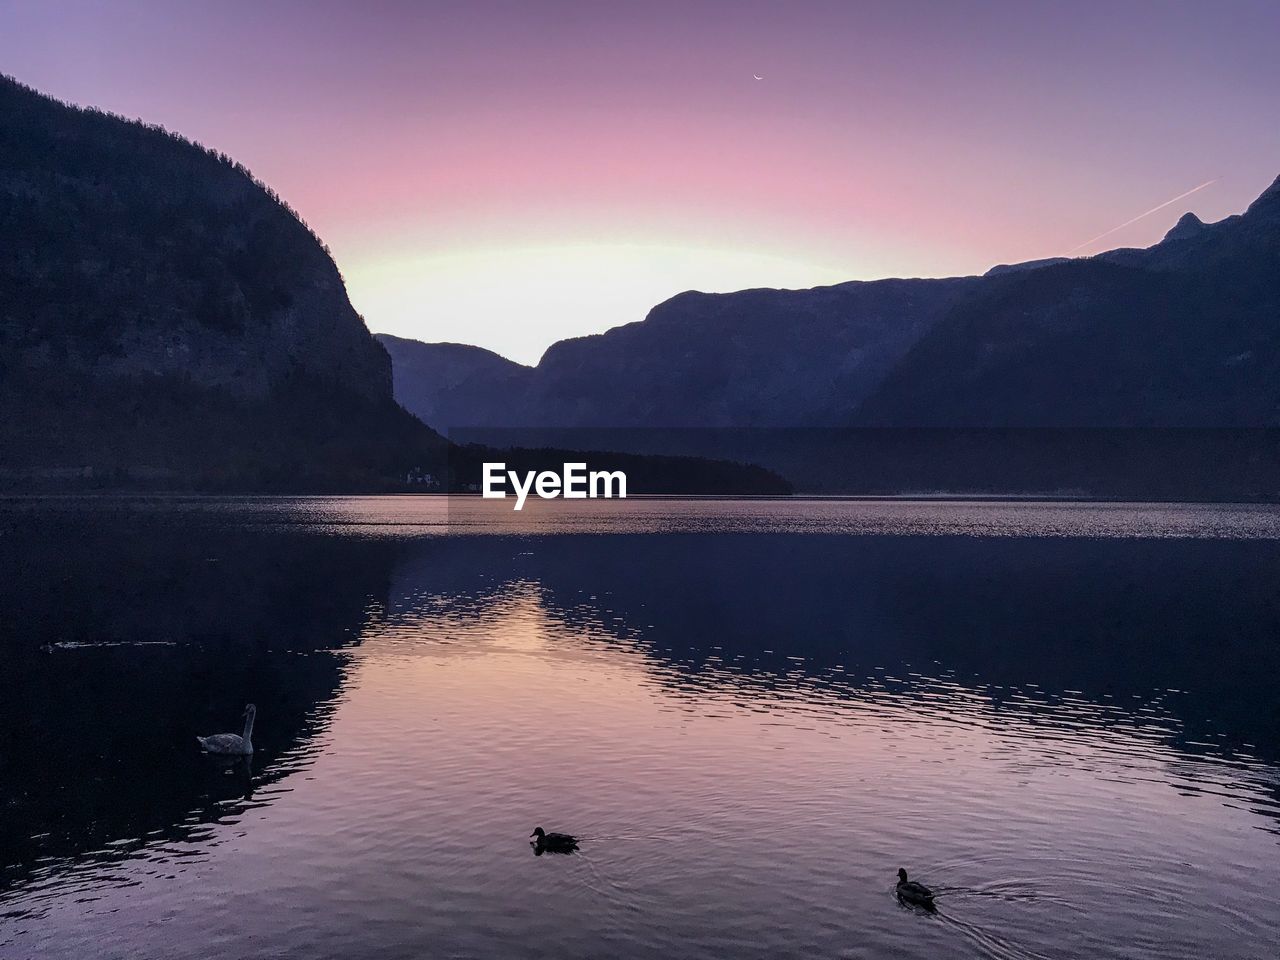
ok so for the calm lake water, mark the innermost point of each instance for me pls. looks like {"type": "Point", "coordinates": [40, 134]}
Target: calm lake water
{"type": "Point", "coordinates": [1063, 717]}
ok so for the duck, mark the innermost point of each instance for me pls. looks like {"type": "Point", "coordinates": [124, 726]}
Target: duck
{"type": "Point", "coordinates": [553, 842]}
{"type": "Point", "coordinates": [913, 892]}
{"type": "Point", "coordinates": [232, 744]}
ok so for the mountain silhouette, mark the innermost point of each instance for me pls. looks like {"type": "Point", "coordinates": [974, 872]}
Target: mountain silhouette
{"type": "Point", "coordinates": [753, 358]}
{"type": "Point", "coordinates": [165, 318]}
{"type": "Point", "coordinates": [1183, 334]}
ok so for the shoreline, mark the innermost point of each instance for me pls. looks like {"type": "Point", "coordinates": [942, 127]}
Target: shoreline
{"type": "Point", "coordinates": [956, 497]}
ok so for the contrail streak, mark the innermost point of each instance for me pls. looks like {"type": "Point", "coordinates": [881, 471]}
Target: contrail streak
{"type": "Point", "coordinates": [1181, 196]}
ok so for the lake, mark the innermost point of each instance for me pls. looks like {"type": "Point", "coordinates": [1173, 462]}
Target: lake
{"type": "Point", "coordinates": [1063, 717]}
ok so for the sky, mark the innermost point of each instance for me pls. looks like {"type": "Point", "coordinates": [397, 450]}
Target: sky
{"type": "Point", "coordinates": [510, 174]}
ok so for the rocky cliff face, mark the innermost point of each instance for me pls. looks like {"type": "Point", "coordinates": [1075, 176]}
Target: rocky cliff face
{"type": "Point", "coordinates": [135, 253]}
{"type": "Point", "coordinates": [164, 315]}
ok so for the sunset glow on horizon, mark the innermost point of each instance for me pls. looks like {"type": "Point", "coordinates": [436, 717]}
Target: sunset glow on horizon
{"type": "Point", "coordinates": [509, 174]}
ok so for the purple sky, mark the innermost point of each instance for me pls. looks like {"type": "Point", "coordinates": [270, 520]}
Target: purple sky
{"type": "Point", "coordinates": [511, 173]}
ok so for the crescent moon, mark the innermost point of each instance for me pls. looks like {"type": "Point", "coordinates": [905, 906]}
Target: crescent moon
{"type": "Point", "coordinates": [757, 76]}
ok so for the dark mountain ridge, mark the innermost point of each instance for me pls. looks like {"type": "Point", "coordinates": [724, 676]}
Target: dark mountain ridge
{"type": "Point", "coordinates": [440, 382]}
{"type": "Point", "coordinates": [762, 357]}
{"type": "Point", "coordinates": [1183, 334]}
{"type": "Point", "coordinates": [163, 315]}
{"type": "Point", "coordinates": [143, 253]}
{"type": "Point", "coordinates": [1136, 373]}
{"type": "Point", "coordinates": [167, 322]}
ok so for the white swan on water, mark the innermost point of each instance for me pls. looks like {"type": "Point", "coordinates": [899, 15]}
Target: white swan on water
{"type": "Point", "coordinates": [233, 744]}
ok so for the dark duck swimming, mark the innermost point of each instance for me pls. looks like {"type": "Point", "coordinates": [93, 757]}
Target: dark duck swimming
{"type": "Point", "coordinates": [912, 892]}
{"type": "Point", "coordinates": [544, 842]}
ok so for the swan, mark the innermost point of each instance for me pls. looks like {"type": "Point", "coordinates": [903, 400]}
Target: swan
{"type": "Point", "coordinates": [233, 744]}
{"type": "Point", "coordinates": [554, 842]}
{"type": "Point", "coordinates": [913, 892]}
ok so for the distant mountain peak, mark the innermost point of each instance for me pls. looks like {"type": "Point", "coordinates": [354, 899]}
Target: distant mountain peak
{"type": "Point", "coordinates": [1178, 334]}
{"type": "Point", "coordinates": [1187, 227]}
{"type": "Point", "coordinates": [1268, 203]}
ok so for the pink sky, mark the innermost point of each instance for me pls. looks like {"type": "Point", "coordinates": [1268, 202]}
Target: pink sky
{"type": "Point", "coordinates": [510, 174]}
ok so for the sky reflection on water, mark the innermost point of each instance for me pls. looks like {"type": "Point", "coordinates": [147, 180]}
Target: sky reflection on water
{"type": "Point", "coordinates": [755, 729]}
